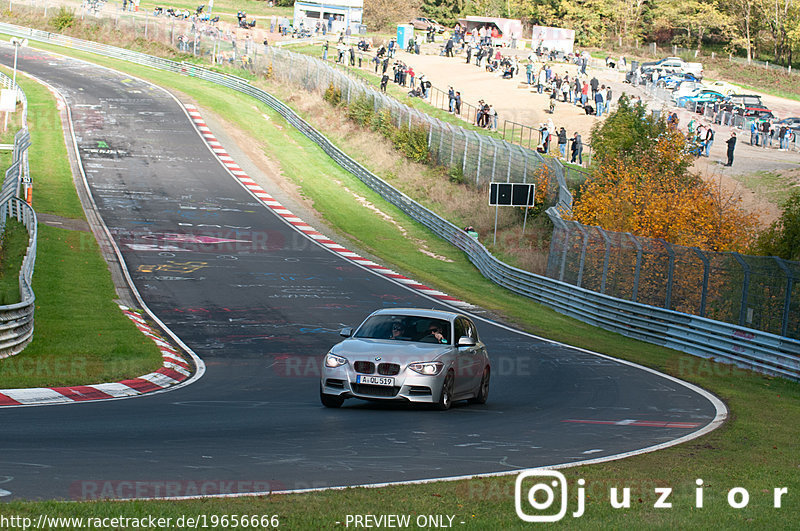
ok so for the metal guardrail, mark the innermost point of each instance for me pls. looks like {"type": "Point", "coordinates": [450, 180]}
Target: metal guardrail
{"type": "Point", "coordinates": [756, 350]}
{"type": "Point", "coordinates": [16, 320]}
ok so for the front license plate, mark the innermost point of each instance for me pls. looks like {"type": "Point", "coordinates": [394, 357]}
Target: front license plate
{"type": "Point", "coordinates": [375, 380]}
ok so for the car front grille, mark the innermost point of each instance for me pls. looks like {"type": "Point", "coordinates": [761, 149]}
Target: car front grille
{"type": "Point", "coordinates": [388, 369]}
{"type": "Point", "coordinates": [374, 390]}
{"type": "Point", "coordinates": [364, 367]}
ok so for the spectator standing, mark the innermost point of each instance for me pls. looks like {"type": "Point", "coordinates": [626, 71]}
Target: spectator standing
{"type": "Point", "coordinates": [493, 117]}
{"type": "Point", "coordinates": [598, 101]}
{"type": "Point", "coordinates": [594, 83]}
{"type": "Point", "coordinates": [731, 146]}
{"type": "Point", "coordinates": [541, 80]}
{"type": "Point", "coordinates": [528, 71]}
{"type": "Point", "coordinates": [584, 93]}
{"type": "Point", "coordinates": [753, 133]}
{"type": "Point", "coordinates": [458, 102]}
{"type": "Point", "coordinates": [608, 99]}
{"type": "Point", "coordinates": [577, 149]}
{"type": "Point", "coordinates": [709, 139]}
{"type": "Point", "coordinates": [784, 137]}
{"type": "Point", "coordinates": [451, 100]}
{"type": "Point", "coordinates": [562, 142]}
{"type": "Point", "coordinates": [325, 53]}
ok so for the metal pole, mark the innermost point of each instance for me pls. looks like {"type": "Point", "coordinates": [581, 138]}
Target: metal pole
{"type": "Point", "coordinates": [706, 271]}
{"type": "Point", "coordinates": [637, 272]}
{"type": "Point", "coordinates": [787, 299]}
{"type": "Point", "coordinates": [480, 151]}
{"type": "Point", "coordinates": [670, 272]}
{"type": "Point", "coordinates": [745, 287]}
{"type": "Point", "coordinates": [496, 209]}
{"type": "Point", "coordinates": [582, 259]}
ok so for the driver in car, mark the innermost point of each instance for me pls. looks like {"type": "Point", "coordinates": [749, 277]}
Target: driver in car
{"type": "Point", "coordinates": [434, 335]}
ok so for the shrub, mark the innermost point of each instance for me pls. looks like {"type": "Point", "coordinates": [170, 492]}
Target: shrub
{"type": "Point", "coordinates": [382, 123]}
{"type": "Point", "coordinates": [333, 95]}
{"type": "Point", "coordinates": [782, 238]}
{"type": "Point", "coordinates": [456, 174]}
{"type": "Point", "coordinates": [360, 111]}
{"type": "Point", "coordinates": [413, 142]}
{"type": "Point", "coordinates": [63, 19]}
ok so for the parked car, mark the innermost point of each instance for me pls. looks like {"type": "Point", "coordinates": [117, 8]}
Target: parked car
{"type": "Point", "coordinates": [701, 97]}
{"type": "Point", "coordinates": [413, 355]}
{"type": "Point", "coordinates": [749, 105]}
{"type": "Point", "coordinates": [423, 23]}
{"type": "Point", "coordinates": [687, 88]}
{"type": "Point", "coordinates": [722, 86]}
{"type": "Point", "coordinates": [791, 123]}
{"type": "Point", "coordinates": [672, 81]}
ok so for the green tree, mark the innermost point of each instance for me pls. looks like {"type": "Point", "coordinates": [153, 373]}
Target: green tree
{"type": "Point", "coordinates": [782, 238]}
{"type": "Point", "coordinates": [633, 134]}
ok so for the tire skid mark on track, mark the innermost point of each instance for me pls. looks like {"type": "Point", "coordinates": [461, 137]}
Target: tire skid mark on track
{"type": "Point", "coordinates": [174, 370]}
{"type": "Point", "coordinates": [300, 225]}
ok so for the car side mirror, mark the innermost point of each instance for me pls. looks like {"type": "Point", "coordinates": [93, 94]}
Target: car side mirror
{"type": "Point", "coordinates": [347, 331]}
{"type": "Point", "coordinates": [466, 341]}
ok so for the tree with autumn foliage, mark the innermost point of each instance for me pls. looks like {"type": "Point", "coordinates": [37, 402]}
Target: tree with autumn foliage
{"type": "Point", "coordinates": [643, 185]}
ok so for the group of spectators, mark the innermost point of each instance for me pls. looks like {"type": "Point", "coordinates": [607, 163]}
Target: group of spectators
{"type": "Point", "coordinates": [764, 133]}
{"type": "Point", "coordinates": [404, 75]}
{"type": "Point", "coordinates": [548, 134]}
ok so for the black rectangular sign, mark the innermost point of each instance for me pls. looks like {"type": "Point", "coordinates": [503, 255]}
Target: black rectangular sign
{"type": "Point", "coordinates": [511, 194]}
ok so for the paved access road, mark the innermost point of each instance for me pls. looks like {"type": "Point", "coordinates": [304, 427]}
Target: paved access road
{"type": "Point", "coordinates": [261, 311]}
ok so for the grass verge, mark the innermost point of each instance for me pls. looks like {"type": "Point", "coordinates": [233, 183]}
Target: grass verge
{"type": "Point", "coordinates": [13, 244]}
{"type": "Point", "coordinates": [81, 336]}
{"type": "Point", "coordinates": [757, 450]}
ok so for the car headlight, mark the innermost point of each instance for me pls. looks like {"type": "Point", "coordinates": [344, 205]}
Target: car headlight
{"type": "Point", "coordinates": [428, 368]}
{"type": "Point", "coordinates": [333, 361]}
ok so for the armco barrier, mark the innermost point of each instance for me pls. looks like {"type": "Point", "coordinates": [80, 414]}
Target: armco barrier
{"type": "Point", "coordinates": [759, 351]}
{"type": "Point", "coordinates": [16, 320]}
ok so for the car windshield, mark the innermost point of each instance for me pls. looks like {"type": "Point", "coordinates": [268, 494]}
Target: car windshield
{"type": "Point", "coordinates": [405, 328]}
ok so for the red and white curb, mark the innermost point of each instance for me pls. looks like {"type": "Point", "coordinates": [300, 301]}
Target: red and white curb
{"type": "Point", "coordinates": [175, 369]}
{"type": "Point", "coordinates": [303, 227]}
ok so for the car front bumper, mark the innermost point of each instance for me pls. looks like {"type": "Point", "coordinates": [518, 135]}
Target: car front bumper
{"type": "Point", "coordinates": [408, 386]}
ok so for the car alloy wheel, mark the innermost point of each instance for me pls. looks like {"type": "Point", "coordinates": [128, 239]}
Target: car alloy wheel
{"type": "Point", "coordinates": [446, 398]}
{"type": "Point", "coordinates": [483, 390]}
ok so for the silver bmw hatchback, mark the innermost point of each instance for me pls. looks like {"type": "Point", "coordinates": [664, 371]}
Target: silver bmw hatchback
{"type": "Point", "coordinates": [427, 356]}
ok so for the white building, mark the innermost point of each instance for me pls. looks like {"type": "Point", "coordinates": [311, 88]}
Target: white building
{"type": "Point", "coordinates": [337, 15]}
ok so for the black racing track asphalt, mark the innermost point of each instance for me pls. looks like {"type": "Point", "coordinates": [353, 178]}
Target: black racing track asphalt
{"type": "Point", "coordinates": [261, 314]}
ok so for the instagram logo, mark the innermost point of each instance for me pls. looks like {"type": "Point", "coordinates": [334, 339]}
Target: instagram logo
{"type": "Point", "coordinates": [541, 495]}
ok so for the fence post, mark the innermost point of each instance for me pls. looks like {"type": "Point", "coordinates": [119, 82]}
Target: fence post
{"type": "Point", "coordinates": [464, 161]}
{"type": "Point", "coordinates": [452, 145]}
{"type": "Point", "coordinates": [582, 260]}
{"type": "Point", "coordinates": [564, 250]}
{"type": "Point", "coordinates": [638, 270]}
{"type": "Point", "coordinates": [706, 271]}
{"type": "Point", "coordinates": [606, 258]}
{"type": "Point", "coordinates": [508, 173]}
{"type": "Point", "coordinates": [787, 298]}
{"type": "Point", "coordinates": [524, 166]}
{"type": "Point", "coordinates": [745, 287]}
{"type": "Point", "coordinates": [670, 272]}
{"type": "Point", "coordinates": [430, 134]}
{"type": "Point", "coordinates": [494, 159]}
{"type": "Point", "coordinates": [480, 153]}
